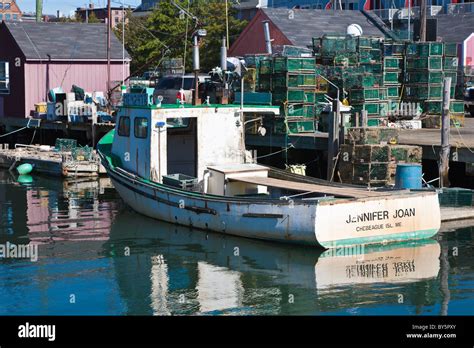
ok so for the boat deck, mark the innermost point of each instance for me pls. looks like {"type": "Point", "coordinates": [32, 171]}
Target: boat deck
{"type": "Point", "coordinates": [349, 192]}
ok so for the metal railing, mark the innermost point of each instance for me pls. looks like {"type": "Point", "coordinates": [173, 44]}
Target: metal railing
{"type": "Point", "coordinates": [460, 8]}
{"type": "Point", "coordinates": [403, 13]}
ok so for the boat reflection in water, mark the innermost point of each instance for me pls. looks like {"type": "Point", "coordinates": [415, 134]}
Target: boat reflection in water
{"type": "Point", "coordinates": [174, 270]}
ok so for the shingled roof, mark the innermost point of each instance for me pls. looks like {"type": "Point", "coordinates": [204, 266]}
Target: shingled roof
{"type": "Point", "coordinates": [300, 26]}
{"type": "Point", "coordinates": [455, 28]}
{"type": "Point", "coordinates": [64, 41]}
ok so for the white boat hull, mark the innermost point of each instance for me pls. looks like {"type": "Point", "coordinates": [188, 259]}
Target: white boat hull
{"type": "Point", "coordinates": [330, 224]}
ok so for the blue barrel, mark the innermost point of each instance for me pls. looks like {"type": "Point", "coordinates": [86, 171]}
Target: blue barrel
{"type": "Point", "coordinates": [408, 176]}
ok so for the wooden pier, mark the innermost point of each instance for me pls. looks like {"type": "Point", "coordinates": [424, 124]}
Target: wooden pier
{"type": "Point", "coordinates": [462, 141]}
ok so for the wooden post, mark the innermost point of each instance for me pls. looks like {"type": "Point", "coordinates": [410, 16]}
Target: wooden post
{"type": "Point", "coordinates": [445, 132]}
{"type": "Point", "coordinates": [357, 115]}
{"type": "Point", "coordinates": [333, 138]}
{"type": "Point", "coordinates": [94, 127]}
{"type": "Point", "coordinates": [364, 119]}
{"type": "Point", "coordinates": [423, 20]}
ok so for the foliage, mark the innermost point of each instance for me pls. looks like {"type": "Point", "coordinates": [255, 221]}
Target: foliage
{"type": "Point", "coordinates": [164, 33]}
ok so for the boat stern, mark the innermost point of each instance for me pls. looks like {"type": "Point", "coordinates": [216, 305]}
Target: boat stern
{"type": "Point", "coordinates": [385, 219]}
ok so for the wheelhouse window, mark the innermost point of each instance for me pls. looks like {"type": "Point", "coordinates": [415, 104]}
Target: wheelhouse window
{"type": "Point", "coordinates": [124, 126]}
{"type": "Point", "coordinates": [141, 127]}
{"type": "Point", "coordinates": [4, 78]}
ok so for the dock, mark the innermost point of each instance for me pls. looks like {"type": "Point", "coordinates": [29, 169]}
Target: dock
{"type": "Point", "coordinates": [462, 141]}
{"type": "Point", "coordinates": [47, 161]}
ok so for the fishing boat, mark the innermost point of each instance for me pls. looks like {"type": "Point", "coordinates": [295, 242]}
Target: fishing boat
{"type": "Point", "coordinates": [188, 165]}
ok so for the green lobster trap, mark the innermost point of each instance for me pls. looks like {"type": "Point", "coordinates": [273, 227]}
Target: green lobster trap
{"type": "Point", "coordinates": [370, 55]}
{"type": "Point", "coordinates": [291, 64]}
{"type": "Point", "coordinates": [436, 107]}
{"type": "Point", "coordinates": [393, 49]}
{"type": "Point", "coordinates": [414, 77]}
{"type": "Point", "coordinates": [391, 77]}
{"type": "Point", "coordinates": [451, 49]}
{"type": "Point", "coordinates": [299, 110]}
{"type": "Point", "coordinates": [450, 63]}
{"type": "Point", "coordinates": [392, 63]}
{"type": "Point", "coordinates": [426, 63]}
{"type": "Point", "coordinates": [426, 92]}
{"type": "Point", "coordinates": [425, 49]}
{"type": "Point", "coordinates": [300, 126]}
{"type": "Point", "coordinates": [369, 41]}
{"type": "Point", "coordinates": [265, 66]}
{"type": "Point", "coordinates": [293, 96]}
{"type": "Point", "coordinates": [376, 68]}
{"type": "Point", "coordinates": [367, 94]}
{"type": "Point", "coordinates": [290, 80]}
{"type": "Point", "coordinates": [393, 92]}
{"type": "Point", "coordinates": [373, 108]}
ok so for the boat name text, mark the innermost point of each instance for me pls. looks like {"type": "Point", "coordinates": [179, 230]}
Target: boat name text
{"type": "Point", "coordinates": [380, 215]}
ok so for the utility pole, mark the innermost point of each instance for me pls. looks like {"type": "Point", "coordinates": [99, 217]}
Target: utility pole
{"type": "Point", "coordinates": [423, 20]}
{"type": "Point", "coordinates": [333, 138]}
{"type": "Point", "coordinates": [109, 29]}
{"type": "Point", "coordinates": [445, 132]}
{"type": "Point", "coordinates": [39, 10]}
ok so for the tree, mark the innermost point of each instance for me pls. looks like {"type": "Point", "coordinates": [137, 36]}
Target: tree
{"type": "Point", "coordinates": [93, 18]}
{"type": "Point", "coordinates": [164, 33]}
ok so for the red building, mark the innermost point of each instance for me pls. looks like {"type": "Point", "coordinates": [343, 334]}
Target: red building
{"type": "Point", "coordinates": [9, 11]}
{"type": "Point", "coordinates": [37, 57]}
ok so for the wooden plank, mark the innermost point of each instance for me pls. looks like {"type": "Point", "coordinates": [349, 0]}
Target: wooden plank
{"type": "Point", "coordinates": [303, 187]}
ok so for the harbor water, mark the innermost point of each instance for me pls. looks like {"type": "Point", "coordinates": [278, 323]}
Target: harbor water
{"type": "Point", "coordinates": [91, 255]}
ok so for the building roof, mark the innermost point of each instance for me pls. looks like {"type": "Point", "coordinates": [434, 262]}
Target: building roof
{"type": "Point", "coordinates": [245, 5]}
{"type": "Point", "coordinates": [304, 24]}
{"type": "Point", "coordinates": [455, 28]}
{"type": "Point", "coordinates": [64, 41]}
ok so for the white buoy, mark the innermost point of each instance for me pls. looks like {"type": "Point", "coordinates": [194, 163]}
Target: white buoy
{"type": "Point", "coordinates": [354, 30]}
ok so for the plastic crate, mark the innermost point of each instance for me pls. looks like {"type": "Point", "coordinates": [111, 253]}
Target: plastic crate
{"type": "Point", "coordinates": [264, 83]}
{"type": "Point", "coordinates": [427, 63]}
{"type": "Point", "coordinates": [424, 77]}
{"type": "Point", "coordinates": [450, 63]}
{"type": "Point", "coordinates": [286, 64]}
{"type": "Point", "coordinates": [453, 75]}
{"type": "Point", "coordinates": [181, 181]}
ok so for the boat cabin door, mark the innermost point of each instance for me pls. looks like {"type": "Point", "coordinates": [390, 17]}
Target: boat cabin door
{"type": "Point", "coordinates": [182, 148]}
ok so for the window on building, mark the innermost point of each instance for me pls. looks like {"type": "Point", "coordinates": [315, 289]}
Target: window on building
{"type": "Point", "coordinates": [8, 17]}
{"type": "Point", "coordinates": [117, 20]}
{"type": "Point", "coordinates": [4, 78]}
{"type": "Point", "coordinates": [15, 17]}
{"type": "Point", "coordinates": [141, 127]}
{"type": "Point", "coordinates": [1, 17]}
{"type": "Point", "coordinates": [7, 6]}
{"type": "Point", "coordinates": [1, 5]}
{"type": "Point", "coordinates": [124, 126]}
